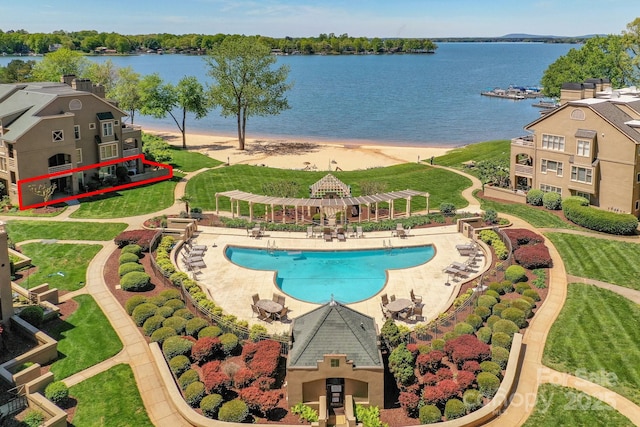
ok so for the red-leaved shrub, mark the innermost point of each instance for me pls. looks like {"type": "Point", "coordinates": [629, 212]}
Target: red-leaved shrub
{"type": "Point", "coordinates": [413, 348]}
{"type": "Point", "coordinates": [471, 366]}
{"type": "Point", "coordinates": [429, 362]}
{"type": "Point", "coordinates": [135, 237]}
{"type": "Point", "coordinates": [265, 358]}
{"type": "Point", "coordinates": [216, 382]}
{"type": "Point", "coordinates": [444, 374]}
{"type": "Point", "coordinates": [429, 378]}
{"type": "Point", "coordinates": [409, 402]}
{"type": "Point", "coordinates": [464, 379]}
{"type": "Point", "coordinates": [264, 383]}
{"type": "Point", "coordinates": [259, 400]}
{"type": "Point", "coordinates": [467, 347]}
{"type": "Point", "coordinates": [449, 389]}
{"type": "Point", "coordinates": [522, 236]}
{"type": "Point", "coordinates": [243, 377]}
{"type": "Point", "coordinates": [205, 349]}
{"type": "Point", "coordinates": [433, 395]}
{"type": "Point", "coordinates": [533, 256]}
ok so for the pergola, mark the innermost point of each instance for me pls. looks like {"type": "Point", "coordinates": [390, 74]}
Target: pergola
{"type": "Point", "coordinates": [341, 203]}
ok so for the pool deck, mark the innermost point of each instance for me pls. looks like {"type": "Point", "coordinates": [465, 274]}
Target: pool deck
{"type": "Point", "coordinates": [231, 286]}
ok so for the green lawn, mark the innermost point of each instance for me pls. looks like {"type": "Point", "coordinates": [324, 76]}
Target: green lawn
{"type": "Point", "coordinates": [489, 150]}
{"type": "Point", "coordinates": [30, 212]}
{"type": "Point", "coordinates": [85, 339]}
{"type": "Point", "coordinates": [537, 217]}
{"type": "Point", "coordinates": [189, 161]}
{"type": "Point", "coordinates": [21, 230]}
{"type": "Point", "coordinates": [564, 406]}
{"type": "Point", "coordinates": [596, 336]}
{"type": "Point", "coordinates": [61, 265]}
{"type": "Point", "coordinates": [109, 399]}
{"type": "Point", "coordinates": [444, 186]}
{"type": "Point", "coordinates": [601, 259]}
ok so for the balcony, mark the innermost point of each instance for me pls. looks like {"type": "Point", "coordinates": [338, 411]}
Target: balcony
{"type": "Point", "coordinates": [523, 170]}
{"type": "Point", "coordinates": [131, 128]}
{"type": "Point", "coordinates": [523, 141]}
{"type": "Point", "coordinates": [60, 168]}
{"type": "Point", "coordinates": [130, 152]}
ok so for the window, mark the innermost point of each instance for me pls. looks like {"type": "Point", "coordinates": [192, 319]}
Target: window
{"type": "Point", "coordinates": [584, 148]}
{"type": "Point", "coordinates": [76, 131]}
{"type": "Point", "coordinates": [107, 129]}
{"type": "Point", "coordinates": [581, 174]}
{"type": "Point", "coordinates": [107, 171]}
{"type": "Point", "coordinates": [638, 178]}
{"type": "Point", "coordinates": [78, 155]}
{"type": "Point", "coordinates": [553, 142]}
{"type": "Point", "coordinates": [58, 135]}
{"type": "Point", "coordinates": [584, 195]}
{"type": "Point", "coordinates": [3, 164]}
{"type": "Point", "coordinates": [14, 180]}
{"type": "Point", "coordinates": [75, 104]}
{"type": "Point", "coordinates": [108, 151]}
{"type": "Point", "coordinates": [551, 166]}
{"type": "Point", "coordinates": [335, 363]}
{"type": "Point", "coordinates": [577, 114]}
{"type": "Point", "coordinates": [10, 150]}
{"type": "Point", "coordinates": [637, 204]}
{"type": "Point", "coordinates": [550, 189]}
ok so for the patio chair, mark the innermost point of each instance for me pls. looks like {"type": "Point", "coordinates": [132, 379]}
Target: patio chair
{"type": "Point", "coordinates": [416, 313]}
{"type": "Point", "coordinates": [359, 233]}
{"type": "Point", "coordinates": [393, 297]}
{"type": "Point", "coordinates": [255, 298]}
{"type": "Point", "coordinates": [255, 310]}
{"type": "Point", "coordinates": [416, 299]}
{"type": "Point", "coordinates": [385, 299]}
{"type": "Point", "coordinates": [327, 234]}
{"type": "Point", "coordinates": [264, 316]}
{"type": "Point", "coordinates": [282, 314]}
{"type": "Point", "coordinates": [280, 300]}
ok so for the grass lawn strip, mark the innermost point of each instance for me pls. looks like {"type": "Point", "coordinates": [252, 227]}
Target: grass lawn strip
{"type": "Point", "coordinates": [85, 339]}
{"type": "Point", "coordinates": [606, 260]}
{"type": "Point", "coordinates": [189, 161]}
{"type": "Point", "coordinates": [21, 230]}
{"type": "Point", "coordinates": [536, 217]}
{"type": "Point", "coordinates": [490, 150]}
{"type": "Point", "coordinates": [110, 398]}
{"type": "Point", "coordinates": [596, 335]}
{"type": "Point", "coordinates": [564, 406]}
{"type": "Point", "coordinates": [61, 265]}
{"type": "Point", "coordinates": [443, 186]}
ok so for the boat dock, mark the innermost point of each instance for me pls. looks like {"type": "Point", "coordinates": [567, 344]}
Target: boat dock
{"type": "Point", "coordinates": [514, 92]}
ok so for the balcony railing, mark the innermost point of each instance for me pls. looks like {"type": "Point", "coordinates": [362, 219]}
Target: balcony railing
{"type": "Point", "coordinates": [523, 170]}
{"type": "Point", "coordinates": [60, 168]}
{"type": "Point", "coordinates": [131, 128]}
{"type": "Point", "coordinates": [523, 141]}
{"type": "Point", "coordinates": [12, 162]}
{"type": "Point", "coordinates": [130, 152]}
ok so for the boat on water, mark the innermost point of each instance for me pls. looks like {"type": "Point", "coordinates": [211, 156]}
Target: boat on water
{"type": "Point", "coordinates": [546, 104]}
{"type": "Point", "coordinates": [514, 92]}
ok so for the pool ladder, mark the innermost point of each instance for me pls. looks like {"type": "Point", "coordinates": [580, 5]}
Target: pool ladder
{"type": "Point", "coordinates": [388, 247]}
{"type": "Point", "coordinates": [271, 248]}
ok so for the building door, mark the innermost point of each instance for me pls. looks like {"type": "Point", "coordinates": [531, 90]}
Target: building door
{"type": "Point", "coordinates": [335, 392]}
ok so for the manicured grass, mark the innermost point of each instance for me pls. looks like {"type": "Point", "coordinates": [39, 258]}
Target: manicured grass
{"type": "Point", "coordinates": [61, 265]}
{"type": "Point", "coordinates": [84, 339]}
{"type": "Point", "coordinates": [564, 406]}
{"type": "Point", "coordinates": [132, 202]}
{"type": "Point", "coordinates": [189, 161]}
{"type": "Point", "coordinates": [30, 212]}
{"type": "Point", "coordinates": [109, 399]}
{"type": "Point", "coordinates": [489, 150]}
{"type": "Point", "coordinates": [536, 217]}
{"type": "Point", "coordinates": [601, 259]}
{"type": "Point", "coordinates": [21, 230]}
{"type": "Point", "coordinates": [443, 186]}
{"type": "Point", "coordinates": [596, 336]}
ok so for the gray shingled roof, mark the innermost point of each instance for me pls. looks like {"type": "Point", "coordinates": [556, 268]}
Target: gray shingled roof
{"type": "Point", "coordinates": [617, 117]}
{"type": "Point", "coordinates": [334, 329]}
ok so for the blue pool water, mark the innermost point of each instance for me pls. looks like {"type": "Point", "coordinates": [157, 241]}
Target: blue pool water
{"type": "Point", "coordinates": [314, 276]}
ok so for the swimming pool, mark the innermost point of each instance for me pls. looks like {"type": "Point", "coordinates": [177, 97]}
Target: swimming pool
{"type": "Point", "coordinates": [316, 276]}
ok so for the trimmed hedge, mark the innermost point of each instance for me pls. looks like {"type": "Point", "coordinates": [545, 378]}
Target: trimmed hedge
{"type": "Point", "coordinates": [142, 312]}
{"type": "Point", "coordinates": [32, 314]}
{"type": "Point", "coordinates": [501, 340]}
{"type": "Point", "coordinates": [152, 324]}
{"type": "Point", "coordinates": [552, 201]}
{"type": "Point", "coordinates": [185, 313]}
{"type": "Point", "coordinates": [430, 414]}
{"type": "Point", "coordinates": [506, 326]}
{"type": "Point", "coordinates": [194, 393]}
{"type": "Point", "coordinates": [195, 325]}
{"type": "Point", "coordinates": [128, 267]}
{"type": "Point", "coordinates": [133, 302]}
{"type": "Point", "coordinates": [57, 392]}
{"type": "Point", "coordinates": [210, 331]}
{"type": "Point", "coordinates": [454, 408]}
{"type": "Point", "coordinates": [472, 399]}
{"type": "Point", "coordinates": [487, 301]}
{"type": "Point", "coordinates": [179, 365]}
{"type": "Point", "coordinates": [127, 257]}
{"type": "Point", "coordinates": [533, 256]}
{"type": "Point", "coordinates": [165, 312]}
{"type": "Point", "coordinates": [210, 405]}
{"type": "Point", "coordinates": [135, 281]}
{"type": "Point", "coordinates": [175, 346]}
{"type": "Point", "coordinates": [516, 315]}
{"type": "Point", "coordinates": [177, 323]}
{"type": "Point", "coordinates": [515, 274]}
{"type": "Point", "coordinates": [234, 411]}
{"type": "Point", "coordinates": [483, 312]}
{"type": "Point", "coordinates": [132, 249]}
{"type": "Point", "coordinates": [577, 210]}
{"type": "Point", "coordinates": [491, 367]}
{"type": "Point", "coordinates": [190, 376]}
{"type": "Point", "coordinates": [534, 197]}
{"type": "Point", "coordinates": [500, 355]}
{"type": "Point", "coordinates": [161, 334]}
{"type": "Point", "coordinates": [463, 328]}
{"type": "Point", "coordinates": [488, 384]}
{"type": "Point", "coordinates": [492, 238]}
{"type": "Point", "coordinates": [484, 334]}
{"type": "Point", "coordinates": [169, 294]}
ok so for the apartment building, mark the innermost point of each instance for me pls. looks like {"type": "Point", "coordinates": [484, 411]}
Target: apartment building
{"type": "Point", "coordinates": [589, 146]}
{"type": "Point", "coordinates": [48, 128]}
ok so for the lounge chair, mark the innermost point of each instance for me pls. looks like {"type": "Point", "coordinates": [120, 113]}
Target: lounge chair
{"type": "Point", "coordinates": [455, 272]}
{"type": "Point", "coordinates": [309, 232]}
{"type": "Point", "coordinates": [461, 266]}
{"type": "Point", "coordinates": [359, 233]}
{"type": "Point", "coordinates": [194, 247]}
{"type": "Point", "coordinates": [401, 234]}
{"type": "Point", "coordinates": [416, 299]}
{"type": "Point", "coordinates": [327, 234]}
{"type": "Point", "coordinates": [340, 235]}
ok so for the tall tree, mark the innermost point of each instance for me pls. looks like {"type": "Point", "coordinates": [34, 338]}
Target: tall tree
{"type": "Point", "coordinates": [17, 71]}
{"type": "Point", "coordinates": [58, 63]}
{"type": "Point", "coordinates": [104, 74]}
{"type": "Point", "coordinates": [632, 42]}
{"type": "Point", "coordinates": [245, 82]}
{"type": "Point", "coordinates": [126, 91]}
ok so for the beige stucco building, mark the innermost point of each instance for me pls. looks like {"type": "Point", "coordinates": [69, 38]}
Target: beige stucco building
{"type": "Point", "coordinates": [588, 146]}
{"type": "Point", "coordinates": [48, 128]}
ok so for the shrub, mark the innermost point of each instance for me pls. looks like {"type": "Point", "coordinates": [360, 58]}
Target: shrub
{"type": "Point", "coordinates": [490, 216]}
{"type": "Point", "coordinates": [185, 313]}
{"type": "Point", "coordinates": [215, 380]}
{"type": "Point", "coordinates": [152, 324]}
{"type": "Point", "coordinates": [57, 392]}
{"type": "Point", "coordinates": [521, 287]}
{"type": "Point", "coordinates": [234, 411]}
{"type": "Point", "coordinates": [496, 287]}
{"type": "Point", "coordinates": [430, 414]}
{"type": "Point", "coordinates": [491, 367]}
{"type": "Point", "coordinates": [210, 404]}
{"type": "Point", "coordinates": [188, 377]}
{"type": "Point", "coordinates": [463, 328]}
{"type": "Point", "coordinates": [484, 334]}
{"type": "Point", "coordinates": [229, 343]}
{"type": "Point", "coordinates": [447, 209]}
{"type": "Point", "coordinates": [499, 308]}
{"type": "Point", "coordinates": [260, 401]}
{"type": "Point", "coordinates": [306, 413]}
{"type": "Point", "coordinates": [483, 312]}
{"type": "Point", "coordinates": [205, 349]}
{"type": "Point", "coordinates": [135, 281]}
{"type": "Point", "coordinates": [175, 303]}
{"type": "Point", "coordinates": [444, 373]}
{"type": "Point", "coordinates": [391, 333]}
{"type": "Point", "coordinates": [128, 267]}
{"type": "Point", "coordinates": [491, 320]}
{"type": "Point", "coordinates": [472, 399]}
{"type": "Point", "coordinates": [501, 339]}
{"type": "Point", "coordinates": [194, 393]}
{"type": "Point", "coordinates": [32, 314]}
{"type": "Point", "coordinates": [523, 305]}
{"type": "Point", "coordinates": [505, 325]}
{"type": "Point", "coordinates": [139, 237]}
{"type": "Point", "coordinates": [409, 401]}
{"type": "Point", "coordinates": [515, 274]}
{"type": "Point", "coordinates": [534, 197]}
{"type": "Point", "coordinates": [169, 294]}
{"type": "Point", "coordinates": [471, 366]}
{"type": "Point", "coordinates": [429, 362]}
{"type": "Point", "coordinates": [210, 331]}
{"type": "Point", "coordinates": [161, 334]}
{"type": "Point", "coordinates": [133, 302]}
{"type": "Point", "coordinates": [488, 384]}
{"type": "Point", "coordinates": [243, 377]}
{"type": "Point", "coordinates": [433, 395]}
{"type": "Point", "coordinates": [449, 388]}
{"type": "Point", "coordinates": [157, 300]}
{"type": "Point", "coordinates": [516, 315]}
{"type": "Point", "coordinates": [487, 301]}
{"type": "Point", "coordinates": [401, 364]}
{"type": "Point", "coordinates": [132, 249]}
{"type": "Point", "coordinates": [179, 365]}
{"type": "Point", "coordinates": [177, 323]}
{"type": "Point", "coordinates": [552, 201]}
{"type": "Point", "coordinates": [500, 356]}
{"type": "Point", "coordinates": [175, 346]}
{"type": "Point", "coordinates": [142, 312]}
{"type": "Point", "coordinates": [127, 257]}
{"type": "Point", "coordinates": [437, 344]}
{"type": "Point", "coordinates": [533, 256]}
{"type": "Point", "coordinates": [454, 408]}
{"type": "Point", "coordinates": [164, 311]}
{"type": "Point", "coordinates": [32, 418]}
{"type": "Point", "coordinates": [531, 293]}
{"type": "Point", "coordinates": [493, 293]}
{"type": "Point", "coordinates": [577, 210]}
{"type": "Point", "coordinates": [466, 347]}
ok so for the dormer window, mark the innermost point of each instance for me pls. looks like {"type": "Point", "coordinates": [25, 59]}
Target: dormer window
{"type": "Point", "coordinates": [107, 129]}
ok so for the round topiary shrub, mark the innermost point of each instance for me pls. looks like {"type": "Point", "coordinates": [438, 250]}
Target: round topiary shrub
{"type": "Point", "coordinates": [169, 294]}
{"type": "Point", "coordinates": [161, 334]}
{"type": "Point", "coordinates": [132, 249]}
{"type": "Point", "coordinates": [210, 331]}
{"type": "Point", "coordinates": [177, 323]}
{"type": "Point", "coordinates": [195, 325]}
{"type": "Point", "coordinates": [194, 393]}
{"type": "Point", "coordinates": [493, 293]}
{"type": "Point", "coordinates": [430, 414]}
{"type": "Point", "coordinates": [515, 274]}
{"type": "Point", "coordinates": [164, 311]}
{"type": "Point", "coordinates": [534, 197]}
{"type": "Point", "coordinates": [516, 315]}
{"type": "Point", "coordinates": [484, 334]}
{"type": "Point", "coordinates": [127, 257]}
{"type": "Point", "coordinates": [179, 365]}
{"type": "Point", "coordinates": [142, 312]}
{"type": "Point", "coordinates": [175, 346]}
{"type": "Point", "coordinates": [499, 355]}
{"type": "Point", "coordinates": [521, 287]}
{"type": "Point", "coordinates": [496, 287]}
{"type": "Point", "coordinates": [472, 399]}
{"type": "Point", "coordinates": [505, 325]}
{"type": "Point", "coordinates": [499, 308]}
{"type": "Point", "coordinates": [531, 293]}
{"type": "Point", "coordinates": [33, 315]}
{"type": "Point", "coordinates": [175, 303]}
{"type": "Point", "coordinates": [234, 411]}
{"type": "Point", "coordinates": [501, 339]}
{"type": "Point", "coordinates": [438, 344]}
{"type": "Point", "coordinates": [454, 408]}
{"type": "Point", "coordinates": [135, 281]}
{"type": "Point", "coordinates": [128, 267]}
{"type": "Point", "coordinates": [210, 405]}
{"type": "Point", "coordinates": [229, 343]}
{"type": "Point", "coordinates": [185, 313]}
{"type": "Point", "coordinates": [483, 312]}
{"type": "Point", "coordinates": [507, 286]}
{"type": "Point", "coordinates": [491, 367]}
{"type": "Point", "coordinates": [463, 328]}
{"type": "Point", "coordinates": [57, 392]}
{"type": "Point", "coordinates": [133, 302]}
{"type": "Point", "coordinates": [491, 320]}
{"type": "Point", "coordinates": [488, 384]}
{"type": "Point", "coordinates": [152, 324]}
{"type": "Point", "coordinates": [524, 306]}
{"type": "Point", "coordinates": [487, 301]}
{"type": "Point", "coordinates": [474, 320]}
{"type": "Point", "coordinates": [32, 418]}
{"type": "Point", "coordinates": [190, 376]}
{"type": "Point", "coordinates": [552, 201]}
{"type": "Point", "coordinates": [158, 300]}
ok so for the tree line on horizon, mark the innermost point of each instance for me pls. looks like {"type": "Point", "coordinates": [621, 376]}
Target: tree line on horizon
{"type": "Point", "coordinates": [21, 42]}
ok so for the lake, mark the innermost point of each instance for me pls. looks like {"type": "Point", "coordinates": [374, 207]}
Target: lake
{"type": "Point", "coordinates": [390, 99]}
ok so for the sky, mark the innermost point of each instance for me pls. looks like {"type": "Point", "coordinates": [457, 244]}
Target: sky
{"type": "Point", "coordinates": [304, 18]}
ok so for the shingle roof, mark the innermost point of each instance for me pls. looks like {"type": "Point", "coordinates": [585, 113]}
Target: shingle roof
{"type": "Point", "coordinates": [618, 118]}
{"type": "Point", "coordinates": [334, 329]}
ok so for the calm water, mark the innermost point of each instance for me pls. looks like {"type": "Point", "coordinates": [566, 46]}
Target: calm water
{"type": "Point", "coordinates": [314, 276]}
{"type": "Point", "coordinates": [402, 99]}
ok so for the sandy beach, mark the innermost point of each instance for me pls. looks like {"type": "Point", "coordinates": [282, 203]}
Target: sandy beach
{"type": "Point", "coordinates": [289, 154]}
